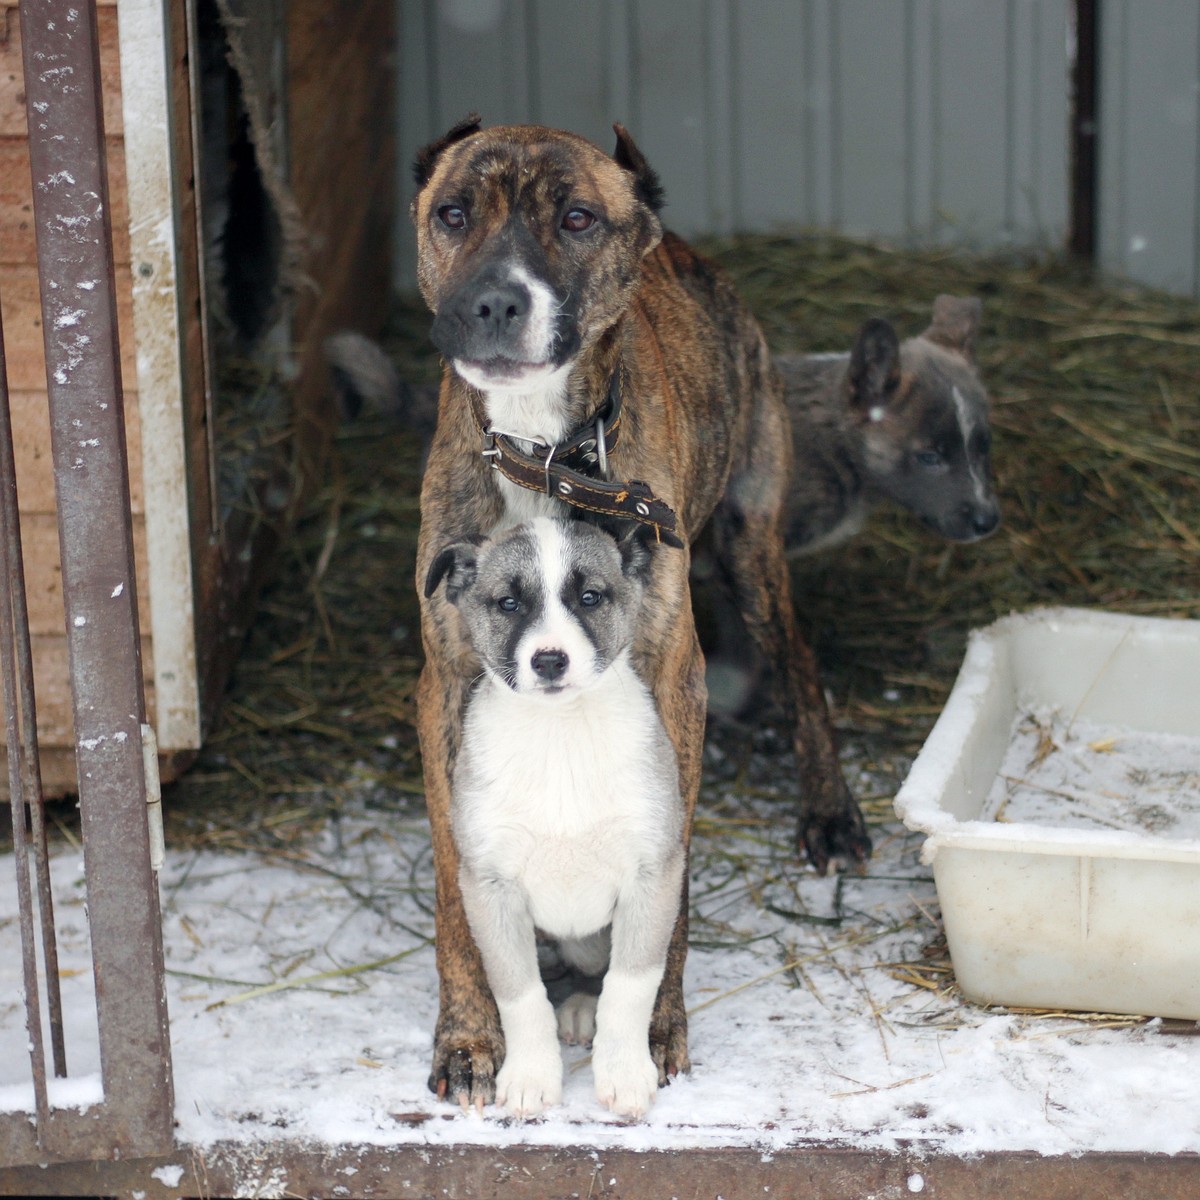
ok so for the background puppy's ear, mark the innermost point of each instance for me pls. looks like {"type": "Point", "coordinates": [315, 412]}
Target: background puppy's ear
{"type": "Point", "coordinates": [456, 564]}
{"type": "Point", "coordinates": [874, 368]}
{"type": "Point", "coordinates": [427, 156]}
{"type": "Point", "coordinates": [955, 325]}
{"type": "Point", "coordinates": [646, 182]}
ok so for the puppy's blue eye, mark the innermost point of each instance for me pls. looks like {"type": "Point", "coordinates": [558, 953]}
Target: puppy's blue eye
{"type": "Point", "coordinates": [929, 458]}
{"type": "Point", "coordinates": [589, 599]}
{"type": "Point", "coordinates": [508, 604]}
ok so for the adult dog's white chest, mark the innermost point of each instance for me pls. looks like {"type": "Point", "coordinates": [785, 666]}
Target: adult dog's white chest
{"type": "Point", "coordinates": [569, 800]}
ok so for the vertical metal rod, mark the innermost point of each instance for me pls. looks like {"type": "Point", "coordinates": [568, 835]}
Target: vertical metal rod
{"type": "Point", "coordinates": [28, 760]}
{"type": "Point", "coordinates": [1085, 134]}
{"type": "Point", "coordinates": [11, 581]}
{"type": "Point", "coordinates": [87, 425]}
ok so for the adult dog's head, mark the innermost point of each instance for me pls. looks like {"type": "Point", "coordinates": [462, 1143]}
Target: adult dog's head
{"type": "Point", "coordinates": [529, 244]}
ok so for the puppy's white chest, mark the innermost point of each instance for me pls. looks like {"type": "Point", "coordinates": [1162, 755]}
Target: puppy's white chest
{"type": "Point", "coordinates": [566, 802]}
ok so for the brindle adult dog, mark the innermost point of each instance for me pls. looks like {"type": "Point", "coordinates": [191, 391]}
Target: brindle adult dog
{"type": "Point", "coordinates": [549, 274]}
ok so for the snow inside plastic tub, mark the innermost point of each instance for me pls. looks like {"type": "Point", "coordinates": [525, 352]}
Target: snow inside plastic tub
{"type": "Point", "coordinates": [1060, 792]}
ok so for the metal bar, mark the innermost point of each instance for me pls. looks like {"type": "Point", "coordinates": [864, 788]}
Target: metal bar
{"type": "Point", "coordinates": [12, 583]}
{"type": "Point", "coordinates": [79, 317]}
{"type": "Point", "coordinates": [1085, 135]}
{"type": "Point", "coordinates": [26, 760]}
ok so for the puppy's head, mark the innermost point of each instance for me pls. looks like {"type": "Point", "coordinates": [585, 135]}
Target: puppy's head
{"type": "Point", "coordinates": [529, 246]}
{"type": "Point", "coordinates": [923, 411]}
{"type": "Point", "coordinates": [549, 605]}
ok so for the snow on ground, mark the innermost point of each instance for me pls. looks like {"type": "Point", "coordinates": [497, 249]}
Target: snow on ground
{"type": "Point", "coordinates": [800, 1032]}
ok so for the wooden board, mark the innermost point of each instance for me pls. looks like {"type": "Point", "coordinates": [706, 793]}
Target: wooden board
{"type": "Point", "coordinates": [17, 242]}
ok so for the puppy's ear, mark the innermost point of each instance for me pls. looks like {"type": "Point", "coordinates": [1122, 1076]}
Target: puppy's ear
{"type": "Point", "coordinates": [646, 182]}
{"type": "Point", "coordinates": [955, 325]}
{"type": "Point", "coordinates": [456, 564]}
{"type": "Point", "coordinates": [874, 368]}
{"type": "Point", "coordinates": [427, 156]}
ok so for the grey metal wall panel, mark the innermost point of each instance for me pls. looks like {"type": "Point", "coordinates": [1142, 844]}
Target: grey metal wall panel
{"type": "Point", "coordinates": [906, 119]}
{"type": "Point", "coordinates": [1149, 134]}
{"type": "Point", "coordinates": [873, 127]}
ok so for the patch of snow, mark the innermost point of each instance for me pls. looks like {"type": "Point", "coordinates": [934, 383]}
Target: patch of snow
{"type": "Point", "coordinates": [801, 1032]}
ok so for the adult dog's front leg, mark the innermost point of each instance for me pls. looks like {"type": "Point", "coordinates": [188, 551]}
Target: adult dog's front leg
{"type": "Point", "coordinates": [468, 1044]}
{"type": "Point", "coordinates": [681, 698]}
{"type": "Point", "coordinates": [627, 1077]}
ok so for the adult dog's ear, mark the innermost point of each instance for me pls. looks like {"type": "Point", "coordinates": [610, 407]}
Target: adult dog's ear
{"type": "Point", "coordinates": [637, 552]}
{"type": "Point", "coordinates": [955, 324]}
{"type": "Point", "coordinates": [646, 182]}
{"type": "Point", "coordinates": [456, 564]}
{"type": "Point", "coordinates": [874, 371]}
{"type": "Point", "coordinates": [427, 156]}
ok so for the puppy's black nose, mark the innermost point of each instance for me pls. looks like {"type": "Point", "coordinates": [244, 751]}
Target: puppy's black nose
{"type": "Point", "coordinates": [549, 664]}
{"type": "Point", "coordinates": [502, 308]}
{"type": "Point", "coordinates": [984, 520]}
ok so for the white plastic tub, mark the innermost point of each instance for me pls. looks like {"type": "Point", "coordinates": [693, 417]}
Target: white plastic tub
{"type": "Point", "coordinates": [1048, 914]}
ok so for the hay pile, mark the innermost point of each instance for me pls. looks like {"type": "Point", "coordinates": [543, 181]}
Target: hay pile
{"type": "Point", "coordinates": [1097, 454]}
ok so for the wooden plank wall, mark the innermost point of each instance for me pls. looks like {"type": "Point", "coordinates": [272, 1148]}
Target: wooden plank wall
{"type": "Point", "coordinates": [20, 305]}
{"type": "Point", "coordinates": [928, 120]}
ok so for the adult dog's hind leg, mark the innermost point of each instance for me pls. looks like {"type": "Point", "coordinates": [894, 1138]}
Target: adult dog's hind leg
{"type": "Point", "coordinates": [749, 552]}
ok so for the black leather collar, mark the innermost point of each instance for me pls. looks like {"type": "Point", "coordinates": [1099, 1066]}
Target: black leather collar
{"type": "Point", "coordinates": [575, 470]}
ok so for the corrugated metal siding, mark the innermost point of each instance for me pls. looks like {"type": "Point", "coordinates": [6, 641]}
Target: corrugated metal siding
{"type": "Point", "coordinates": [1149, 202]}
{"type": "Point", "coordinates": [917, 119]}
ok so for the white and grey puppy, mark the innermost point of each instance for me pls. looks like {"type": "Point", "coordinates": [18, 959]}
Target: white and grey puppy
{"type": "Point", "coordinates": [566, 809]}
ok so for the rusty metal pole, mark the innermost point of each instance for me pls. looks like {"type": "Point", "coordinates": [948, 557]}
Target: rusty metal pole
{"type": "Point", "coordinates": [79, 313]}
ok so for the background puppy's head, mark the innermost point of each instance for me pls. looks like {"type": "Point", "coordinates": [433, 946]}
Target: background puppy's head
{"type": "Point", "coordinates": [924, 415]}
{"type": "Point", "coordinates": [549, 605]}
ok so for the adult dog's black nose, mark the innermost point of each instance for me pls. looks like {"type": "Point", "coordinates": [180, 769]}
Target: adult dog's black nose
{"type": "Point", "coordinates": [549, 665]}
{"type": "Point", "coordinates": [500, 310]}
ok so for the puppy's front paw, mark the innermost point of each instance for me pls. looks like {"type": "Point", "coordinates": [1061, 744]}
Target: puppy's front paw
{"type": "Point", "coordinates": [577, 1019]}
{"type": "Point", "coordinates": [626, 1078]}
{"type": "Point", "coordinates": [529, 1083]}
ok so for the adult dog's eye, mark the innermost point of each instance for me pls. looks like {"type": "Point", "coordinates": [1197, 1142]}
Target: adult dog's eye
{"type": "Point", "coordinates": [452, 216]}
{"type": "Point", "coordinates": [578, 219]}
{"type": "Point", "coordinates": [929, 458]}
{"type": "Point", "coordinates": [589, 599]}
{"type": "Point", "coordinates": [508, 604]}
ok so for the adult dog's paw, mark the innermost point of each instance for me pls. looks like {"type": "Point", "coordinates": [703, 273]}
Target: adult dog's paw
{"type": "Point", "coordinates": [529, 1083]}
{"type": "Point", "coordinates": [668, 1038]}
{"type": "Point", "coordinates": [465, 1059]}
{"type": "Point", "coordinates": [831, 828]}
{"type": "Point", "coordinates": [841, 839]}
